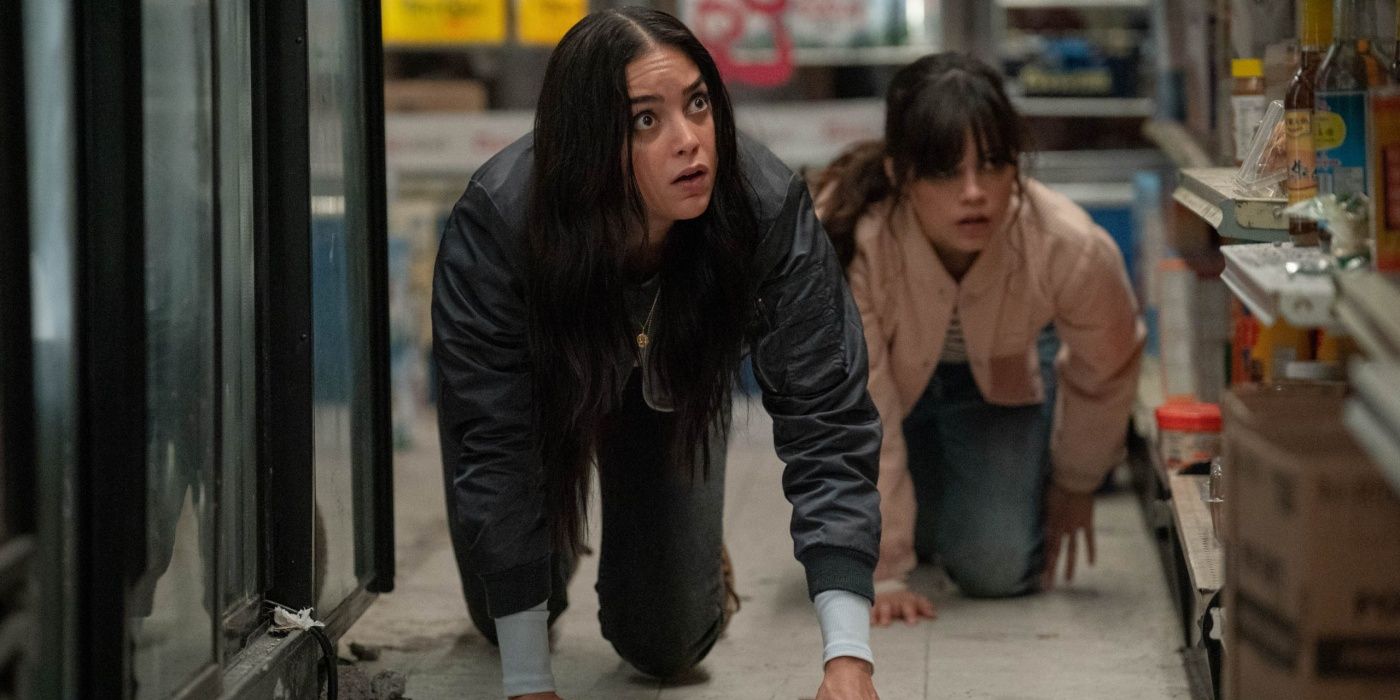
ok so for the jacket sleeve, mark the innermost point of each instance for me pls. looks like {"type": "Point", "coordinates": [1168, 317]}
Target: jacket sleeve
{"type": "Point", "coordinates": [495, 499]}
{"type": "Point", "coordinates": [1097, 321]}
{"type": "Point", "coordinates": [810, 360]}
{"type": "Point", "coordinates": [897, 502]}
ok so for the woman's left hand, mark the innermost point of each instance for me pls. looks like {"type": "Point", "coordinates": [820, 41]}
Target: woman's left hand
{"type": "Point", "coordinates": [1066, 514]}
{"type": "Point", "coordinates": [848, 678]}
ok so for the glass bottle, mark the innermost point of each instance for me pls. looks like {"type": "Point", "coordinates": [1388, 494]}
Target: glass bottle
{"type": "Point", "coordinates": [1339, 116]}
{"type": "Point", "coordinates": [1247, 101]}
{"type": "Point", "coordinates": [1395, 51]}
{"type": "Point", "coordinates": [1314, 27]}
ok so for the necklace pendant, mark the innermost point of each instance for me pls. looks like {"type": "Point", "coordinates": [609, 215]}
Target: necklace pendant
{"type": "Point", "coordinates": [642, 341]}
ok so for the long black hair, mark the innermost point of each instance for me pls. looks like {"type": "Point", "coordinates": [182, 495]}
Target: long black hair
{"type": "Point", "coordinates": [584, 208]}
{"type": "Point", "coordinates": [930, 107]}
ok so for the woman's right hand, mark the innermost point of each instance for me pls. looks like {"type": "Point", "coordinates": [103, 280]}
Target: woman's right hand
{"type": "Point", "coordinates": [894, 605]}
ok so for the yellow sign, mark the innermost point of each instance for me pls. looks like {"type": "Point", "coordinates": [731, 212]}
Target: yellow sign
{"type": "Point", "coordinates": [546, 21]}
{"type": "Point", "coordinates": [444, 21]}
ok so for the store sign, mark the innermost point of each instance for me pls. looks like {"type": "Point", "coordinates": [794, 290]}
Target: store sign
{"type": "Point", "coordinates": [732, 29]}
{"type": "Point", "coordinates": [545, 21]}
{"type": "Point", "coordinates": [444, 21]}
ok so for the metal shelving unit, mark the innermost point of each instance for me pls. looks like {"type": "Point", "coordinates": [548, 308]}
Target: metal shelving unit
{"type": "Point", "coordinates": [1366, 307]}
{"type": "Point", "coordinates": [1104, 107]}
{"type": "Point", "coordinates": [1212, 195]}
{"type": "Point", "coordinates": [1274, 281]}
{"type": "Point", "coordinates": [1081, 4]}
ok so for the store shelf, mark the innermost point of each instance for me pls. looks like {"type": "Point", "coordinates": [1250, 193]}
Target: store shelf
{"type": "Point", "coordinates": [841, 56]}
{"type": "Point", "coordinates": [1072, 4]}
{"type": "Point", "coordinates": [1211, 195]}
{"type": "Point", "coordinates": [1111, 107]}
{"type": "Point", "coordinates": [1258, 273]}
{"type": "Point", "coordinates": [1367, 304]}
{"type": "Point", "coordinates": [1205, 558]}
{"type": "Point", "coordinates": [1373, 415]}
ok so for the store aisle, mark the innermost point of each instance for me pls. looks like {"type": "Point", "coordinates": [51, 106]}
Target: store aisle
{"type": "Point", "coordinates": [1112, 634]}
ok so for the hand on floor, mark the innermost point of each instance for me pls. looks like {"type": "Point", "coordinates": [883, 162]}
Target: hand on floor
{"type": "Point", "coordinates": [1066, 515]}
{"type": "Point", "coordinates": [906, 605]}
{"type": "Point", "coordinates": [848, 678]}
{"type": "Point", "coordinates": [537, 696]}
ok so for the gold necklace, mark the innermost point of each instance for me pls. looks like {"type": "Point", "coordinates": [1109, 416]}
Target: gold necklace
{"type": "Point", "coordinates": [643, 340]}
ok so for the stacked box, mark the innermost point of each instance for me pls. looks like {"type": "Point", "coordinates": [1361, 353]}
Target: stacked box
{"type": "Point", "coordinates": [1312, 589]}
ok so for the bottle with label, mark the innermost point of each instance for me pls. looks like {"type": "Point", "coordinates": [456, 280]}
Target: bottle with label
{"type": "Point", "coordinates": [1314, 28]}
{"type": "Point", "coordinates": [1339, 118]}
{"type": "Point", "coordinates": [1395, 51]}
{"type": "Point", "coordinates": [1384, 121]}
{"type": "Point", "coordinates": [1247, 101]}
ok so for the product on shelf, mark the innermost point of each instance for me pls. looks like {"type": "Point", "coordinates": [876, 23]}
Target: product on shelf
{"type": "Point", "coordinates": [1312, 538]}
{"type": "Point", "coordinates": [1274, 347]}
{"type": "Point", "coordinates": [1314, 31]}
{"type": "Point", "coordinates": [1339, 116]}
{"type": "Point", "coordinates": [1247, 102]}
{"type": "Point", "coordinates": [1188, 433]}
{"type": "Point", "coordinates": [1385, 176]}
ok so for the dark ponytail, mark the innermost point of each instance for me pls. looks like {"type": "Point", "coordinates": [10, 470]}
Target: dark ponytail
{"type": "Point", "coordinates": [858, 178]}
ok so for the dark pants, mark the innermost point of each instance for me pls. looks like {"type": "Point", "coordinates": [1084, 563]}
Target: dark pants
{"type": "Point", "coordinates": [979, 474]}
{"type": "Point", "coordinates": [660, 587]}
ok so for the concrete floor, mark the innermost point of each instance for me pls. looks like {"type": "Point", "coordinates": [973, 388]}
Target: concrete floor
{"type": "Point", "coordinates": [1112, 634]}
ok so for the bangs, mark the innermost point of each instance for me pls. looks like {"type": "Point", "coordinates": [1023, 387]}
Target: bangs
{"type": "Point", "coordinates": [937, 124]}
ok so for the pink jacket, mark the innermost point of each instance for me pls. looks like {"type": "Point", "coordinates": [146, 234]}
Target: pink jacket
{"type": "Point", "coordinates": [1050, 264]}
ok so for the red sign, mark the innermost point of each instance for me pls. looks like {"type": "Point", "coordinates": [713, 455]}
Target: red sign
{"type": "Point", "coordinates": [721, 23]}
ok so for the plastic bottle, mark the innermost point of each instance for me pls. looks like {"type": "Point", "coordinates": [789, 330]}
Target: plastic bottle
{"type": "Point", "coordinates": [1314, 28]}
{"type": "Point", "coordinates": [1247, 101]}
{"type": "Point", "coordinates": [1339, 118]}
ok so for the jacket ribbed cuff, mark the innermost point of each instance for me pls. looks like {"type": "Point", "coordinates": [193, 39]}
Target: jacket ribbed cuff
{"type": "Point", "coordinates": [509, 592]}
{"type": "Point", "coordinates": [838, 568]}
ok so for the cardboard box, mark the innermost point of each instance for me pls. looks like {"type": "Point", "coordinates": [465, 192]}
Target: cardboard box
{"type": "Point", "coordinates": [1312, 584]}
{"type": "Point", "coordinates": [434, 96]}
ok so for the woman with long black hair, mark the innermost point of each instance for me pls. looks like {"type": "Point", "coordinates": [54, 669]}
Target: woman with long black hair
{"type": "Point", "coordinates": [596, 286]}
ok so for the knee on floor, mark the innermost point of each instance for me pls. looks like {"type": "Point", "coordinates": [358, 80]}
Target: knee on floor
{"type": "Point", "coordinates": [991, 570]}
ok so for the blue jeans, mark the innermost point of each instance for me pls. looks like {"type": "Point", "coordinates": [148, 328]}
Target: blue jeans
{"type": "Point", "coordinates": [979, 475]}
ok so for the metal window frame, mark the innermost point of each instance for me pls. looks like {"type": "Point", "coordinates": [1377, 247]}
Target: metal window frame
{"type": "Point", "coordinates": [381, 388]}
{"type": "Point", "coordinates": [111, 338]}
{"type": "Point", "coordinates": [282, 187]}
{"type": "Point", "coordinates": [17, 468]}
{"type": "Point", "coordinates": [282, 205]}
{"type": "Point", "coordinates": [16, 354]}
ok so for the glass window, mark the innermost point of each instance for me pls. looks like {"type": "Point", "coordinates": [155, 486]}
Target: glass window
{"type": "Point", "coordinates": [238, 485]}
{"type": "Point", "coordinates": [340, 302]}
{"type": "Point", "coordinates": [49, 94]}
{"type": "Point", "coordinates": [172, 606]}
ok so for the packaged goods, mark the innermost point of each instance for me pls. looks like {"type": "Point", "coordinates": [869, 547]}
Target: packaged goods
{"type": "Point", "coordinates": [1385, 176]}
{"type": "Point", "coordinates": [1188, 433]}
{"type": "Point", "coordinates": [1312, 536]}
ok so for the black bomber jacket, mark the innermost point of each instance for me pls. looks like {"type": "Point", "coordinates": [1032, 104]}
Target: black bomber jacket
{"type": "Point", "coordinates": [808, 352]}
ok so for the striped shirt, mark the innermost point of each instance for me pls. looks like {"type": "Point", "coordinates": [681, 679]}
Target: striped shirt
{"type": "Point", "coordinates": [954, 346]}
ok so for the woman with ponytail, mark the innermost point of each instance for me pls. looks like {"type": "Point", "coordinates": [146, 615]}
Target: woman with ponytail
{"type": "Point", "coordinates": [1003, 337]}
{"type": "Point", "coordinates": [595, 287]}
